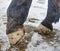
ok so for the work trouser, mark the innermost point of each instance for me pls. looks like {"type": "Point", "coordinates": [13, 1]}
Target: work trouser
{"type": "Point", "coordinates": [17, 13]}
{"type": "Point", "coordinates": [53, 15]}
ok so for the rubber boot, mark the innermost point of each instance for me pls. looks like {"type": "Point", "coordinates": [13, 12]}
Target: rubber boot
{"type": "Point", "coordinates": [44, 30]}
{"type": "Point", "coordinates": [16, 36]}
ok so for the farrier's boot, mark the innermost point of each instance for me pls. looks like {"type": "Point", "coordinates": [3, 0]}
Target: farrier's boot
{"type": "Point", "coordinates": [45, 28]}
{"type": "Point", "coordinates": [16, 36]}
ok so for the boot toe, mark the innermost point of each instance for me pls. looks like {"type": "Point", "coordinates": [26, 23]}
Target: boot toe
{"type": "Point", "coordinates": [15, 36]}
{"type": "Point", "coordinates": [43, 30]}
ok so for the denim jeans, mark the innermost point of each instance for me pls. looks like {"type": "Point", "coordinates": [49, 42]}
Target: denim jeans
{"type": "Point", "coordinates": [17, 13]}
{"type": "Point", "coordinates": [53, 13]}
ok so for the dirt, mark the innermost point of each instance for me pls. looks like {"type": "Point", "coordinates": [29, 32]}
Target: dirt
{"type": "Point", "coordinates": [51, 39]}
